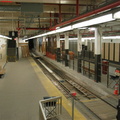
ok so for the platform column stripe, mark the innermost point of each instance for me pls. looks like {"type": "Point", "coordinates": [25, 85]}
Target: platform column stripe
{"type": "Point", "coordinates": [53, 91]}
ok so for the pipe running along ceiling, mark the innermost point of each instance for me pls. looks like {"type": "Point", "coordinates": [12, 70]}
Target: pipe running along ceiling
{"type": "Point", "coordinates": [32, 18]}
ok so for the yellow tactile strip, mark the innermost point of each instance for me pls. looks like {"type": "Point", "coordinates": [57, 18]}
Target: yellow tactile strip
{"type": "Point", "coordinates": [53, 91]}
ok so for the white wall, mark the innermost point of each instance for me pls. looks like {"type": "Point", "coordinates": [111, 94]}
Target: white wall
{"type": "Point", "coordinates": [3, 53]}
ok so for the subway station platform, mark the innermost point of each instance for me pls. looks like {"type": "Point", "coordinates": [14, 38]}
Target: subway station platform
{"type": "Point", "coordinates": [98, 88]}
{"type": "Point", "coordinates": [23, 85]}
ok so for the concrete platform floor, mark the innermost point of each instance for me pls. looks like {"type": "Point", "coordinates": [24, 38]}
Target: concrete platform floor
{"type": "Point", "coordinates": [21, 89]}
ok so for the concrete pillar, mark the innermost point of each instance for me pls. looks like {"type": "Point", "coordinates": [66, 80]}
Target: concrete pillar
{"type": "Point", "coordinates": [91, 45]}
{"type": "Point", "coordinates": [79, 46]}
{"type": "Point", "coordinates": [98, 37]}
{"type": "Point", "coordinates": [66, 49]}
{"type": "Point", "coordinates": [58, 48]}
{"type": "Point", "coordinates": [86, 44]}
{"type": "Point", "coordinates": [44, 45]}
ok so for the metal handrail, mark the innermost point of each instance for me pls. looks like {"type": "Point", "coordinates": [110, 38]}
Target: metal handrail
{"type": "Point", "coordinates": [50, 108]}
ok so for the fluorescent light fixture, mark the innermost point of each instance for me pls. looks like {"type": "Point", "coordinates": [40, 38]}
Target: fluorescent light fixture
{"type": "Point", "coordinates": [88, 38]}
{"type": "Point", "coordinates": [57, 27]}
{"type": "Point", "coordinates": [91, 29]}
{"type": "Point", "coordinates": [62, 38]}
{"type": "Point", "coordinates": [111, 37]}
{"type": "Point", "coordinates": [92, 38]}
{"type": "Point", "coordinates": [51, 32]}
{"type": "Point", "coordinates": [73, 38]}
{"type": "Point", "coordinates": [81, 25]}
{"type": "Point", "coordinates": [64, 29]}
{"type": "Point", "coordinates": [94, 21]}
{"type": "Point", "coordinates": [69, 38]}
{"type": "Point", "coordinates": [41, 35]}
{"type": "Point", "coordinates": [116, 15]}
{"type": "Point", "coordinates": [1, 36]}
{"type": "Point", "coordinates": [82, 28]}
{"type": "Point", "coordinates": [85, 38]}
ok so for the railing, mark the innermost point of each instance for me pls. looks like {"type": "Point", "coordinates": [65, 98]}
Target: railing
{"type": "Point", "coordinates": [50, 107]}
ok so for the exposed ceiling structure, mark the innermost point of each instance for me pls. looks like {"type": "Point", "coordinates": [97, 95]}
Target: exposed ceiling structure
{"type": "Point", "coordinates": [31, 17]}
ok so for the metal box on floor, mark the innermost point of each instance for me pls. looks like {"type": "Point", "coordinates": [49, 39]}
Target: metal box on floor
{"type": "Point", "coordinates": [11, 51]}
{"type": "Point", "coordinates": [11, 58]}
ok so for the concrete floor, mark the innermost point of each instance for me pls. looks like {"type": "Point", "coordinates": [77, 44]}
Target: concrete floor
{"type": "Point", "coordinates": [20, 91]}
{"type": "Point", "coordinates": [23, 85]}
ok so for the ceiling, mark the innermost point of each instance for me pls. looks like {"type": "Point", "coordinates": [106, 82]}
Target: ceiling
{"type": "Point", "coordinates": [31, 17]}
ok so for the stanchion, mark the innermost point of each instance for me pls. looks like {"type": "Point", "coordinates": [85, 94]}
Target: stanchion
{"type": "Point", "coordinates": [116, 90]}
{"type": "Point", "coordinates": [117, 72]}
{"type": "Point", "coordinates": [73, 95]}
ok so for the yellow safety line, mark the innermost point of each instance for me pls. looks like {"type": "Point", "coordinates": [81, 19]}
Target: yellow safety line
{"type": "Point", "coordinates": [53, 91]}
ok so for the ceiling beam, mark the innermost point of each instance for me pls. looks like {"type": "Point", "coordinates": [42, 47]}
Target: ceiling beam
{"type": "Point", "coordinates": [69, 4]}
{"type": "Point", "coordinates": [33, 28]}
{"type": "Point", "coordinates": [99, 10]}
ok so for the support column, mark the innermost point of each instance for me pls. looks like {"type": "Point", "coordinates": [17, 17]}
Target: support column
{"type": "Point", "coordinates": [60, 16]}
{"type": "Point", "coordinates": [86, 44]}
{"type": "Point", "coordinates": [18, 40]}
{"type": "Point", "coordinates": [77, 7]}
{"type": "Point", "coordinates": [56, 15]}
{"type": "Point", "coordinates": [39, 22]}
{"type": "Point", "coordinates": [58, 48]}
{"type": "Point", "coordinates": [98, 37]}
{"type": "Point", "coordinates": [50, 19]}
{"type": "Point", "coordinates": [66, 49]}
{"type": "Point", "coordinates": [44, 46]}
{"type": "Point", "coordinates": [91, 45]}
{"type": "Point", "coordinates": [79, 47]}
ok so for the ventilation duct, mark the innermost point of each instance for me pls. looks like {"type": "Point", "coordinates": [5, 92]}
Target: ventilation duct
{"type": "Point", "coordinates": [32, 7]}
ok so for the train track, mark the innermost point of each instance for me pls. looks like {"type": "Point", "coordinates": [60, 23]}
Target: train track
{"type": "Point", "coordinates": [66, 84]}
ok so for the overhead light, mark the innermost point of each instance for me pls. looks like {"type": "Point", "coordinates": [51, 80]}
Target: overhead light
{"type": "Point", "coordinates": [73, 38]}
{"type": "Point", "coordinates": [57, 27]}
{"type": "Point", "coordinates": [111, 37]}
{"type": "Point", "coordinates": [92, 38]}
{"type": "Point", "coordinates": [88, 38]}
{"type": "Point", "coordinates": [82, 28]}
{"type": "Point", "coordinates": [37, 36]}
{"type": "Point", "coordinates": [91, 29]}
{"type": "Point", "coordinates": [94, 21]}
{"type": "Point", "coordinates": [1, 36]}
{"type": "Point", "coordinates": [85, 38]}
{"type": "Point", "coordinates": [64, 29]}
{"type": "Point", "coordinates": [51, 32]}
{"type": "Point", "coordinates": [81, 25]}
{"type": "Point", "coordinates": [41, 35]}
{"type": "Point", "coordinates": [116, 15]}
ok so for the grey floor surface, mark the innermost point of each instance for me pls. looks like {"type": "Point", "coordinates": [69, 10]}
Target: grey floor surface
{"type": "Point", "coordinates": [20, 91]}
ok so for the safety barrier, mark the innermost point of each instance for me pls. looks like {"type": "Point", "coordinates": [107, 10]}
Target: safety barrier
{"type": "Point", "coordinates": [50, 55]}
{"type": "Point", "coordinates": [50, 107]}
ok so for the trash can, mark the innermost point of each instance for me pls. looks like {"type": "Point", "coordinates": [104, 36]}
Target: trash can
{"type": "Point", "coordinates": [105, 66]}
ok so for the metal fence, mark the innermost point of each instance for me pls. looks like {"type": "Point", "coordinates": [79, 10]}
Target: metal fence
{"type": "Point", "coordinates": [50, 108]}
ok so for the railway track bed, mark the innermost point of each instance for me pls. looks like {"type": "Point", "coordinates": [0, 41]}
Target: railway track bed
{"type": "Point", "coordinates": [97, 108]}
